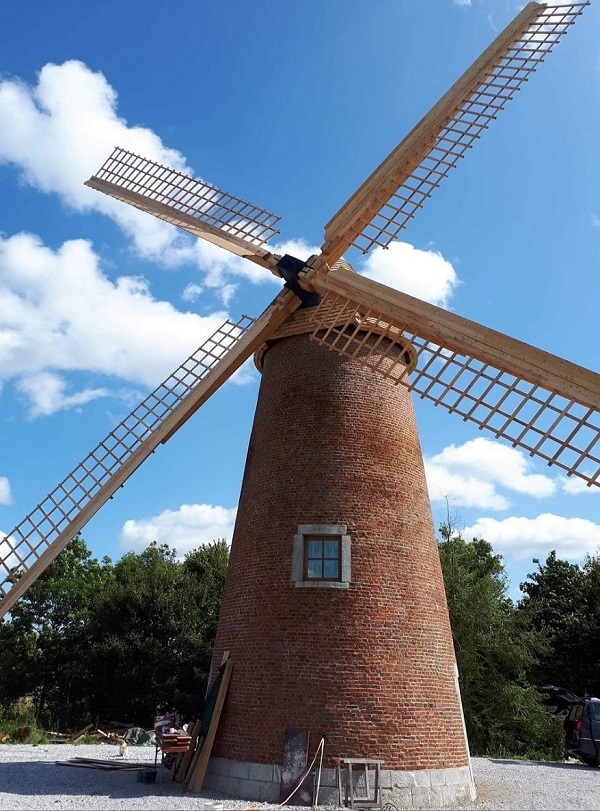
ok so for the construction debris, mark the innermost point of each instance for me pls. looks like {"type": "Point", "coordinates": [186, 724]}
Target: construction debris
{"type": "Point", "coordinates": [106, 765]}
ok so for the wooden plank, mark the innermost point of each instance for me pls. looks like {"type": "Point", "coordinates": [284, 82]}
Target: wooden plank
{"type": "Point", "coordinates": [184, 761]}
{"type": "Point", "coordinates": [199, 772]}
{"type": "Point", "coordinates": [78, 735]}
{"type": "Point", "coordinates": [459, 334]}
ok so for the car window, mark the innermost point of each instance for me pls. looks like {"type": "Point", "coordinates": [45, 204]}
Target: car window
{"type": "Point", "coordinates": [595, 710]}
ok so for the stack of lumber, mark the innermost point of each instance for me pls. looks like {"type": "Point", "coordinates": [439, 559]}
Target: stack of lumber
{"type": "Point", "coordinates": [171, 742]}
{"type": "Point", "coordinates": [191, 765]}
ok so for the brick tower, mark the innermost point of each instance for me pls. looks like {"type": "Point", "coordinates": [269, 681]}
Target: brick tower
{"type": "Point", "coordinates": [334, 487]}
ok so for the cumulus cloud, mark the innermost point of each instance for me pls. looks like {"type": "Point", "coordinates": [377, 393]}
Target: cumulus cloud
{"type": "Point", "coordinates": [187, 528]}
{"type": "Point", "coordinates": [423, 274]}
{"type": "Point", "coordinates": [575, 486]}
{"type": "Point", "coordinates": [572, 538]}
{"type": "Point", "coordinates": [5, 494]}
{"type": "Point", "coordinates": [470, 474]}
{"type": "Point", "coordinates": [192, 292]}
{"type": "Point", "coordinates": [47, 394]}
{"type": "Point", "coordinates": [59, 132]}
{"type": "Point", "coordinates": [59, 313]}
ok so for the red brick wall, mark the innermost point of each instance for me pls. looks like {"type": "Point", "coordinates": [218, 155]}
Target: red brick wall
{"type": "Point", "coordinates": [371, 667]}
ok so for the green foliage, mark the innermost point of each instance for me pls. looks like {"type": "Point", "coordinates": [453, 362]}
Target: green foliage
{"type": "Point", "coordinates": [154, 632]}
{"type": "Point", "coordinates": [43, 647]}
{"type": "Point", "coordinates": [116, 641]}
{"type": "Point", "coordinates": [21, 717]}
{"type": "Point", "coordinates": [494, 651]}
{"type": "Point", "coordinates": [561, 600]}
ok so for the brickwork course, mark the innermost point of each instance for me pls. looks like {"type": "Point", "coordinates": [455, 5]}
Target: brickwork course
{"type": "Point", "coordinates": [371, 667]}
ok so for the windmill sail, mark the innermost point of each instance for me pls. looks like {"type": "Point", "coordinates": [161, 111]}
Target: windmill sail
{"type": "Point", "coordinates": [34, 543]}
{"type": "Point", "coordinates": [537, 401]}
{"type": "Point", "coordinates": [203, 210]}
{"type": "Point", "coordinates": [390, 197]}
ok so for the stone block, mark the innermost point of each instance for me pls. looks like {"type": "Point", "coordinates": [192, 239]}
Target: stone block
{"type": "Point", "coordinates": [269, 793]}
{"type": "Point", "coordinates": [422, 778]}
{"type": "Point", "coordinates": [455, 776]}
{"type": "Point", "coordinates": [228, 785]}
{"type": "Point", "coordinates": [219, 765]}
{"type": "Point", "coordinates": [421, 797]}
{"type": "Point", "coordinates": [239, 769]}
{"type": "Point", "coordinates": [260, 771]}
{"type": "Point", "coordinates": [438, 777]}
{"type": "Point", "coordinates": [403, 779]}
{"type": "Point", "coordinates": [252, 789]}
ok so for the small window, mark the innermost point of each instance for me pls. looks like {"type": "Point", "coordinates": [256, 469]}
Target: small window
{"type": "Point", "coordinates": [321, 556]}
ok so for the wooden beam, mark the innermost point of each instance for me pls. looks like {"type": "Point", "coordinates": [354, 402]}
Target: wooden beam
{"type": "Point", "coordinates": [285, 303]}
{"type": "Point", "coordinates": [199, 769]}
{"type": "Point", "coordinates": [367, 200]}
{"type": "Point", "coordinates": [461, 335]}
{"type": "Point", "coordinates": [241, 247]}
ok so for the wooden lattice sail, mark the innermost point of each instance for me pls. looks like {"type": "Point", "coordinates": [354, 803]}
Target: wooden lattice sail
{"type": "Point", "coordinates": [364, 654]}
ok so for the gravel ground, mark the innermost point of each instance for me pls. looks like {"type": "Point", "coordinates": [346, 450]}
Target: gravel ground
{"type": "Point", "coordinates": [30, 779]}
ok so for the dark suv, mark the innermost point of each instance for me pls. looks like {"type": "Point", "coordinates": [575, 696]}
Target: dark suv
{"type": "Point", "coordinates": [582, 723]}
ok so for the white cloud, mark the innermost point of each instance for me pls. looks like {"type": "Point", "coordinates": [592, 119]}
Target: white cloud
{"type": "Point", "coordinates": [575, 486]}
{"type": "Point", "coordinates": [5, 494]}
{"type": "Point", "coordinates": [423, 274]}
{"type": "Point", "coordinates": [192, 292]}
{"type": "Point", "coordinates": [187, 528]}
{"type": "Point", "coordinates": [46, 394]}
{"type": "Point", "coordinates": [470, 474]}
{"type": "Point", "coordinates": [7, 556]}
{"type": "Point", "coordinates": [462, 2]}
{"type": "Point", "coordinates": [596, 220]}
{"type": "Point", "coordinates": [59, 313]}
{"type": "Point", "coordinates": [572, 538]}
{"type": "Point", "coordinates": [59, 132]}
{"type": "Point", "coordinates": [296, 247]}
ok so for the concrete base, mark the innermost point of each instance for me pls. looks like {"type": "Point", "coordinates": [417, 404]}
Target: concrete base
{"type": "Point", "coordinates": [426, 788]}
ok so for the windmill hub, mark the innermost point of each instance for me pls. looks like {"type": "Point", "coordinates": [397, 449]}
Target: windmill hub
{"type": "Point", "coordinates": [290, 268]}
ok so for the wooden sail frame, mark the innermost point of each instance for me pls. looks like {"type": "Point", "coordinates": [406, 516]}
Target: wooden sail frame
{"type": "Point", "coordinates": [34, 543]}
{"type": "Point", "coordinates": [537, 401]}
{"type": "Point", "coordinates": [382, 206]}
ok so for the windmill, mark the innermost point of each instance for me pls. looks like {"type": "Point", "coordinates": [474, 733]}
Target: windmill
{"type": "Point", "coordinates": [334, 608]}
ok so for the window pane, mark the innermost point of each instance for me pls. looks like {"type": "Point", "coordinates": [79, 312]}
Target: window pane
{"type": "Point", "coordinates": [315, 549]}
{"type": "Point", "coordinates": [331, 549]}
{"type": "Point", "coordinates": [331, 570]}
{"type": "Point", "coordinates": [315, 568]}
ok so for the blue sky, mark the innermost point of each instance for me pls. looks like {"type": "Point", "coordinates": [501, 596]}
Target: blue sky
{"type": "Point", "coordinates": [289, 105]}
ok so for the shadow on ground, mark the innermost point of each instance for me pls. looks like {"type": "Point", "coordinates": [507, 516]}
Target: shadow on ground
{"type": "Point", "coordinates": [41, 778]}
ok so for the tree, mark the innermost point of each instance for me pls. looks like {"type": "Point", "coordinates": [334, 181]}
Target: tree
{"type": "Point", "coordinates": [561, 600]}
{"type": "Point", "coordinates": [44, 645]}
{"type": "Point", "coordinates": [154, 632]}
{"type": "Point", "coordinates": [503, 712]}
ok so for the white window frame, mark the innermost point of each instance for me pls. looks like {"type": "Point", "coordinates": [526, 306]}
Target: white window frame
{"type": "Point", "coordinates": [310, 530]}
